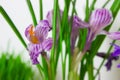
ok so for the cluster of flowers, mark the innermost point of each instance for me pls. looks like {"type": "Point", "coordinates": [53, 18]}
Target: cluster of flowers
{"type": "Point", "coordinates": [39, 42]}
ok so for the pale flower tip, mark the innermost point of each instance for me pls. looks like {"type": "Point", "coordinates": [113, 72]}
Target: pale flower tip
{"type": "Point", "coordinates": [114, 35]}
{"type": "Point", "coordinates": [101, 18]}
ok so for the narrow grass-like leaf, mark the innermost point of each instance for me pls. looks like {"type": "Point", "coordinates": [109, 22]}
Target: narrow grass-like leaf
{"type": "Point", "coordinates": [54, 38]}
{"type": "Point", "coordinates": [31, 12]}
{"type": "Point", "coordinates": [12, 25]}
{"type": "Point", "coordinates": [41, 9]}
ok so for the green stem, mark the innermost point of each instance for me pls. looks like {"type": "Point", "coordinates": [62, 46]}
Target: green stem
{"type": "Point", "coordinates": [12, 25]}
{"type": "Point", "coordinates": [40, 68]}
{"type": "Point", "coordinates": [41, 9]}
{"type": "Point", "coordinates": [92, 6]}
{"type": "Point", "coordinates": [106, 3]}
{"type": "Point", "coordinates": [54, 37]}
{"type": "Point", "coordinates": [31, 12]}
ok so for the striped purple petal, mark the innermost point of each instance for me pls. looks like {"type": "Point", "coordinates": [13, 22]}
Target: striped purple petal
{"type": "Point", "coordinates": [47, 44]}
{"type": "Point", "coordinates": [41, 30]}
{"type": "Point", "coordinates": [99, 19]}
{"type": "Point", "coordinates": [34, 57]}
{"type": "Point", "coordinates": [34, 50]}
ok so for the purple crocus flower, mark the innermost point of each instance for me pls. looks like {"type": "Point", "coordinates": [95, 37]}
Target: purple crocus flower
{"type": "Point", "coordinates": [38, 39]}
{"type": "Point", "coordinates": [116, 51]}
{"type": "Point", "coordinates": [100, 19]}
{"type": "Point", "coordinates": [76, 25]}
{"type": "Point", "coordinates": [109, 58]}
{"type": "Point", "coordinates": [109, 61]}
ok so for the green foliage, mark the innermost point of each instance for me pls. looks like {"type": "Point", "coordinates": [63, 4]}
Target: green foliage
{"type": "Point", "coordinates": [12, 68]}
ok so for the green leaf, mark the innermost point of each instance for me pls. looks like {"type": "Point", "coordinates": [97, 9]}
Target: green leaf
{"type": "Point", "coordinates": [12, 25]}
{"type": "Point", "coordinates": [41, 9]}
{"type": "Point", "coordinates": [31, 12]}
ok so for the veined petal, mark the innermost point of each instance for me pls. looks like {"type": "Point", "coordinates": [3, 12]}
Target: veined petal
{"type": "Point", "coordinates": [78, 23]}
{"type": "Point", "coordinates": [99, 19]}
{"type": "Point", "coordinates": [47, 44]}
{"type": "Point", "coordinates": [42, 30]}
{"type": "Point", "coordinates": [33, 58]}
{"type": "Point", "coordinates": [34, 50]}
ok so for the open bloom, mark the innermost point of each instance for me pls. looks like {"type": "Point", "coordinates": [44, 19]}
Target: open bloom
{"type": "Point", "coordinates": [116, 52]}
{"type": "Point", "coordinates": [38, 39]}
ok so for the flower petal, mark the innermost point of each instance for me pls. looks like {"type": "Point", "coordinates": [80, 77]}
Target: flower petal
{"type": "Point", "coordinates": [114, 35]}
{"type": "Point", "coordinates": [78, 23]}
{"type": "Point", "coordinates": [34, 50]}
{"type": "Point", "coordinates": [33, 58]}
{"type": "Point", "coordinates": [27, 32]}
{"type": "Point", "coordinates": [100, 18]}
{"type": "Point", "coordinates": [116, 51]}
{"type": "Point", "coordinates": [47, 44]}
{"type": "Point", "coordinates": [42, 30]}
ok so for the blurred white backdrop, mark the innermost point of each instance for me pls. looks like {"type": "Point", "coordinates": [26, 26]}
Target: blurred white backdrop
{"type": "Point", "coordinates": [18, 11]}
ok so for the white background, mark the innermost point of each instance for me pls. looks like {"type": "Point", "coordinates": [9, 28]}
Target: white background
{"type": "Point", "coordinates": [18, 11]}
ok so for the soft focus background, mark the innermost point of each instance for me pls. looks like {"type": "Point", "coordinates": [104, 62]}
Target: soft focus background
{"type": "Point", "coordinates": [18, 11]}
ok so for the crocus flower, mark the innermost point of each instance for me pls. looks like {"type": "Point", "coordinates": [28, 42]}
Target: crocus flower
{"type": "Point", "coordinates": [109, 61]}
{"type": "Point", "coordinates": [38, 40]}
{"type": "Point", "coordinates": [99, 20]}
{"type": "Point", "coordinates": [116, 52]}
{"type": "Point", "coordinates": [109, 58]}
{"type": "Point", "coordinates": [76, 25]}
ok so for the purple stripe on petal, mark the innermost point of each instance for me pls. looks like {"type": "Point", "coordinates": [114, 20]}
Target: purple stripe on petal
{"type": "Point", "coordinates": [42, 30]}
{"type": "Point", "coordinates": [99, 19]}
{"type": "Point", "coordinates": [47, 44]}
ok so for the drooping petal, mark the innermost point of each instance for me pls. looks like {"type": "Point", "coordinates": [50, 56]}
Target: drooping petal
{"type": "Point", "coordinates": [109, 61]}
{"type": "Point", "coordinates": [108, 64]}
{"type": "Point", "coordinates": [99, 19]}
{"type": "Point", "coordinates": [49, 17]}
{"type": "Point", "coordinates": [78, 23]}
{"type": "Point", "coordinates": [47, 44]}
{"type": "Point", "coordinates": [114, 35]}
{"type": "Point", "coordinates": [34, 50]}
{"type": "Point", "coordinates": [33, 57]}
{"type": "Point", "coordinates": [42, 30]}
